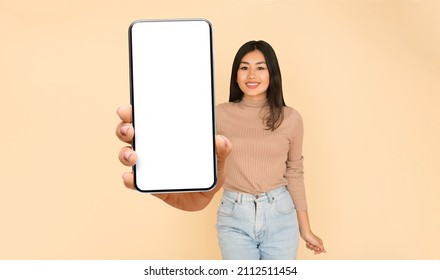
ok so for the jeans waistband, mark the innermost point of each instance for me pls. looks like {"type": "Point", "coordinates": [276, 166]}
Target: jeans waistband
{"type": "Point", "coordinates": [246, 197]}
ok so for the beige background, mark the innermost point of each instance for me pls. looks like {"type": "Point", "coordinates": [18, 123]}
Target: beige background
{"type": "Point", "coordinates": [364, 74]}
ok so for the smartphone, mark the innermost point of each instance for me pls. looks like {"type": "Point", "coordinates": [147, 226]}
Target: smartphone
{"type": "Point", "coordinates": [172, 96]}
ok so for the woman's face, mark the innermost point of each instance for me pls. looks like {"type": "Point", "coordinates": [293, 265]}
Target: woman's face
{"type": "Point", "coordinates": [253, 76]}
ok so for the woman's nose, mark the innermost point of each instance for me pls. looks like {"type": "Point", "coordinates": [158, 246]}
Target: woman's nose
{"type": "Point", "coordinates": [251, 74]}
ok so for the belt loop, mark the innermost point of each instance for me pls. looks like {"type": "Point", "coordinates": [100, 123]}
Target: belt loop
{"type": "Point", "coordinates": [270, 197]}
{"type": "Point", "coordinates": [236, 198]}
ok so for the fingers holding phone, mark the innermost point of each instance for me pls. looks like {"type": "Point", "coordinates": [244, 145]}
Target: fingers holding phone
{"type": "Point", "coordinates": [124, 130]}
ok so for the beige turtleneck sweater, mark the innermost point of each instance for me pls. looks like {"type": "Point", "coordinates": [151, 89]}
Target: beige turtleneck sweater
{"type": "Point", "coordinates": [262, 160]}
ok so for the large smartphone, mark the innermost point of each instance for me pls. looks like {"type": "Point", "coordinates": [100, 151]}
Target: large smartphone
{"type": "Point", "coordinates": [172, 96]}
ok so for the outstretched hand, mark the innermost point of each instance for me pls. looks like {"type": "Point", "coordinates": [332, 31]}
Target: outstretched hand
{"type": "Point", "coordinates": [185, 201]}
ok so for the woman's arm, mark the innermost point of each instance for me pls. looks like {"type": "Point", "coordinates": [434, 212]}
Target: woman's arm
{"type": "Point", "coordinates": [295, 175]}
{"type": "Point", "coordinates": [313, 242]}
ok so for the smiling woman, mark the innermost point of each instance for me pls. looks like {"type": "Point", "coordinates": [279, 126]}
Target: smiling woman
{"type": "Point", "coordinates": [264, 195]}
{"type": "Point", "coordinates": [263, 57]}
{"type": "Point", "coordinates": [263, 210]}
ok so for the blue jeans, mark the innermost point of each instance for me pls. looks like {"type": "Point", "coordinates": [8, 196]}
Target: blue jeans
{"type": "Point", "coordinates": [258, 227]}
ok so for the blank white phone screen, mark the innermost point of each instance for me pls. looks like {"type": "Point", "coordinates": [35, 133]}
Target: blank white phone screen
{"type": "Point", "coordinates": [173, 105]}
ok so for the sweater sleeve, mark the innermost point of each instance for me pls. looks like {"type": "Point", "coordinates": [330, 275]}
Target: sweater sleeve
{"type": "Point", "coordinates": [294, 164]}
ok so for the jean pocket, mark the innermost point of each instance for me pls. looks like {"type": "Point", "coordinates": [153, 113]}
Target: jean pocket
{"type": "Point", "coordinates": [226, 209]}
{"type": "Point", "coordinates": [284, 205]}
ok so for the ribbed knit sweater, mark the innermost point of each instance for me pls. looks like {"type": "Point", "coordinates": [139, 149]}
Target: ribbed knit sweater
{"type": "Point", "coordinates": [262, 160]}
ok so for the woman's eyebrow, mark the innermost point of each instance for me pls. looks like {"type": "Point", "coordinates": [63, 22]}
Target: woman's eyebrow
{"type": "Point", "coordinates": [261, 62]}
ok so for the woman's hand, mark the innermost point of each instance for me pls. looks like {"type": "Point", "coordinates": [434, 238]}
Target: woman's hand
{"type": "Point", "coordinates": [185, 201]}
{"type": "Point", "coordinates": [125, 133]}
{"type": "Point", "coordinates": [313, 243]}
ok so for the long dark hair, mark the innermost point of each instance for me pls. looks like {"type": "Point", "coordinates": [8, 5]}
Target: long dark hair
{"type": "Point", "coordinates": [275, 99]}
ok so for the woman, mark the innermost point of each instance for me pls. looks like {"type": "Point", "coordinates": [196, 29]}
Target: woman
{"type": "Point", "coordinates": [263, 209]}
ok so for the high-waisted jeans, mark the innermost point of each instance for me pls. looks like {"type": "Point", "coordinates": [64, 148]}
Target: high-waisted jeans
{"type": "Point", "coordinates": [258, 227]}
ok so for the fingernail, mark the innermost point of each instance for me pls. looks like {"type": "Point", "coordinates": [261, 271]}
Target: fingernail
{"type": "Point", "coordinates": [127, 156]}
{"type": "Point", "coordinates": [124, 130]}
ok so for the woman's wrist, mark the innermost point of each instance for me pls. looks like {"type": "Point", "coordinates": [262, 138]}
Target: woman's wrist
{"type": "Point", "coordinates": [304, 224]}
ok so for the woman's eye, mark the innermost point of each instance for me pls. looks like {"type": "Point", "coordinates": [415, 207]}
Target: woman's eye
{"type": "Point", "coordinates": [261, 68]}
{"type": "Point", "coordinates": [243, 68]}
